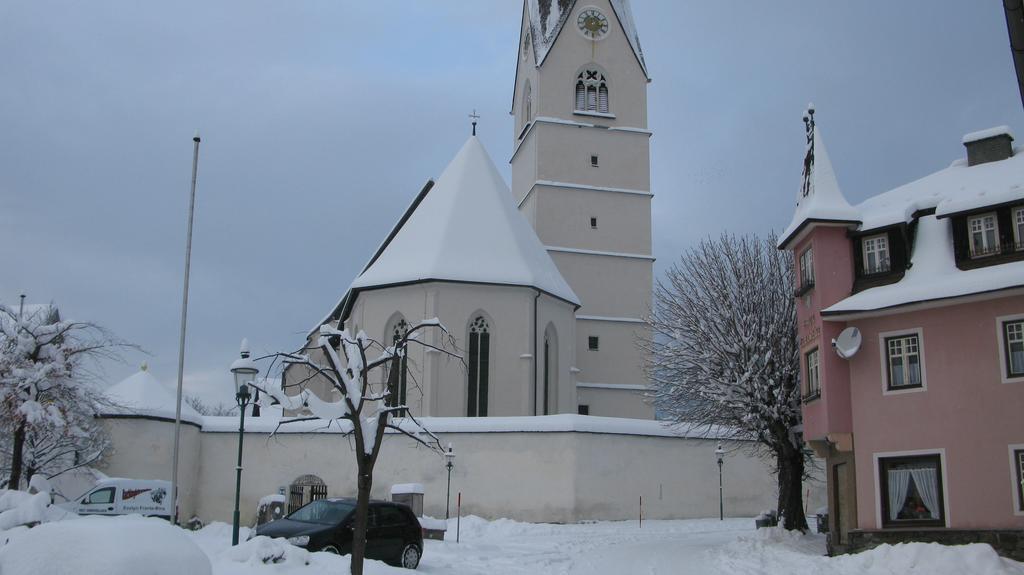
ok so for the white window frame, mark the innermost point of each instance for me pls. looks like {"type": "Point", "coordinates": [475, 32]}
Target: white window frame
{"type": "Point", "coordinates": [941, 452]}
{"type": "Point", "coordinates": [989, 250]}
{"type": "Point", "coordinates": [807, 266]}
{"type": "Point", "coordinates": [1014, 479]}
{"type": "Point", "coordinates": [1017, 219]}
{"type": "Point", "coordinates": [883, 353]}
{"type": "Point", "coordinates": [1001, 348]}
{"type": "Point", "coordinates": [884, 248]}
{"type": "Point", "coordinates": [809, 394]}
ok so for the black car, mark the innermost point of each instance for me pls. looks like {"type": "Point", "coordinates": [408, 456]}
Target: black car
{"type": "Point", "coordinates": [393, 534]}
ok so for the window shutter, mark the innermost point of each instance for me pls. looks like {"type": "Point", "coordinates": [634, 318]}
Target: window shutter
{"type": "Point", "coordinates": [591, 98]}
{"type": "Point", "coordinates": [581, 96]}
{"type": "Point", "coordinates": [602, 99]}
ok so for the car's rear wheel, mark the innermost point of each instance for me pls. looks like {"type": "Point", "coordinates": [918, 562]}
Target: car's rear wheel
{"type": "Point", "coordinates": [410, 558]}
{"type": "Point", "coordinates": [331, 549]}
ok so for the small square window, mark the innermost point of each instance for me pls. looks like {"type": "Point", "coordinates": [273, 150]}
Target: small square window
{"type": "Point", "coordinates": [593, 160]}
{"type": "Point", "coordinates": [806, 269]}
{"type": "Point", "coordinates": [593, 223]}
{"type": "Point", "coordinates": [1013, 347]}
{"type": "Point", "coordinates": [1018, 227]}
{"type": "Point", "coordinates": [583, 409]}
{"type": "Point", "coordinates": [593, 343]}
{"type": "Point", "coordinates": [903, 361]}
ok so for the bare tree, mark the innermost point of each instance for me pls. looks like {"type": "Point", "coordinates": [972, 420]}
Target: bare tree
{"type": "Point", "coordinates": [724, 352]}
{"type": "Point", "coordinates": [47, 394]}
{"type": "Point", "coordinates": [365, 410]}
{"type": "Point", "coordinates": [203, 408]}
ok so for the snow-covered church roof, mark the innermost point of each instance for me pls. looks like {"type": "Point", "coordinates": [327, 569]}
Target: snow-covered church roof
{"type": "Point", "coordinates": [142, 394]}
{"type": "Point", "coordinates": [548, 17]}
{"type": "Point", "coordinates": [820, 200]}
{"type": "Point", "coordinates": [466, 228]}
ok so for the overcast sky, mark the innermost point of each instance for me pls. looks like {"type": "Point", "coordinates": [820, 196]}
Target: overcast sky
{"type": "Point", "coordinates": [321, 121]}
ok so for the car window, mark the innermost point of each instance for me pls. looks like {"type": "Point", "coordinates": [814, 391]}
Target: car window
{"type": "Point", "coordinates": [103, 496]}
{"type": "Point", "coordinates": [390, 516]}
{"type": "Point", "coordinates": [323, 512]}
{"type": "Point", "coordinates": [371, 517]}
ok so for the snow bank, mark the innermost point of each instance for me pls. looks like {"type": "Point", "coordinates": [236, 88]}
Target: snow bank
{"type": "Point", "coordinates": [262, 550]}
{"type": "Point", "coordinates": [776, 550]}
{"type": "Point", "coordinates": [22, 508]}
{"type": "Point", "coordinates": [129, 545]}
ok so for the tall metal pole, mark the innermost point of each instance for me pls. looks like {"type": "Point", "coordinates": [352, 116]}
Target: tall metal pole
{"type": "Point", "coordinates": [448, 498]}
{"type": "Point", "coordinates": [721, 500]}
{"type": "Point", "coordinates": [243, 397]}
{"type": "Point", "coordinates": [181, 337]}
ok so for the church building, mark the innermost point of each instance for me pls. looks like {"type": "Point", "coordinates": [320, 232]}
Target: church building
{"type": "Point", "coordinates": [543, 286]}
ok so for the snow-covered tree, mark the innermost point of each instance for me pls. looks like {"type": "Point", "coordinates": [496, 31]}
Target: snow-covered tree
{"type": "Point", "coordinates": [47, 398]}
{"type": "Point", "coordinates": [345, 364]}
{"type": "Point", "coordinates": [724, 352]}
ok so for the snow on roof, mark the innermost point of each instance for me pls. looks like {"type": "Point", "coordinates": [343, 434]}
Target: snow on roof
{"type": "Point", "coordinates": [933, 276]}
{"type": "Point", "coordinates": [989, 133]}
{"type": "Point", "coordinates": [467, 228]}
{"type": "Point", "coordinates": [824, 200]}
{"type": "Point", "coordinates": [142, 394]}
{"type": "Point", "coordinates": [952, 190]}
{"type": "Point", "coordinates": [548, 17]}
{"type": "Point", "coordinates": [407, 488]}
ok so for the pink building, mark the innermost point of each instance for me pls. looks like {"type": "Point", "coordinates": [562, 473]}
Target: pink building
{"type": "Point", "coordinates": [922, 426]}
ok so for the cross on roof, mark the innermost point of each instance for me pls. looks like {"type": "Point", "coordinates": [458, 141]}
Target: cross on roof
{"type": "Point", "coordinates": [474, 117]}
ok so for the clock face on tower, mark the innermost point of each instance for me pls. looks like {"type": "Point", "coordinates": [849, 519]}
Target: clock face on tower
{"type": "Point", "coordinates": [592, 23]}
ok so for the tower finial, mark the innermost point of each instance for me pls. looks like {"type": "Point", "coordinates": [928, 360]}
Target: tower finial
{"type": "Point", "coordinates": [474, 117]}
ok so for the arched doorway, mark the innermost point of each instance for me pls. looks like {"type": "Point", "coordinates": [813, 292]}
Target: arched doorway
{"type": "Point", "coordinates": [304, 489]}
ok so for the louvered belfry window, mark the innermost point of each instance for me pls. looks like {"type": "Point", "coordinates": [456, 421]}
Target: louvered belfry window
{"type": "Point", "coordinates": [591, 92]}
{"type": "Point", "coordinates": [479, 364]}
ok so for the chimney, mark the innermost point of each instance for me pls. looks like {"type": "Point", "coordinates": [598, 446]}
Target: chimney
{"type": "Point", "coordinates": [989, 145]}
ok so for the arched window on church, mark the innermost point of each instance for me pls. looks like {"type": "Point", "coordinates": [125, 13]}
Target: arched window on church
{"type": "Point", "coordinates": [527, 107]}
{"type": "Point", "coordinates": [592, 91]}
{"type": "Point", "coordinates": [398, 374]}
{"type": "Point", "coordinates": [479, 366]}
{"type": "Point", "coordinates": [550, 366]}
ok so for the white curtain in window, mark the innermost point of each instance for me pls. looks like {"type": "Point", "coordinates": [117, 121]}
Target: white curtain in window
{"type": "Point", "coordinates": [899, 483]}
{"type": "Point", "coordinates": [928, 488]}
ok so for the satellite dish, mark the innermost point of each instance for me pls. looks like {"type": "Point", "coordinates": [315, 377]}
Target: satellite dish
{"type": "Point", "coordinates": [848, 343]}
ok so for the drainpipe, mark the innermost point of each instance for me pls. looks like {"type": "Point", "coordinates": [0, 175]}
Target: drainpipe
{"type": "Point", "coordinates": [535, 298]}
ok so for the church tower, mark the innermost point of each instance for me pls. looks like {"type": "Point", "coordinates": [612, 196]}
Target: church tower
{"type": "Point", "coordinates": [581, 176]}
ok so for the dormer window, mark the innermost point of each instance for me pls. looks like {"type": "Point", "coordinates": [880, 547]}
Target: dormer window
{"type": "Point", "coordinates": [876, 254]}
{"type": "Point", "coordinates": [1018, 227]}
{"type": "Point", "coordinates": [983, 234]}
{"type": "Point", "coordinates": [591, 91]}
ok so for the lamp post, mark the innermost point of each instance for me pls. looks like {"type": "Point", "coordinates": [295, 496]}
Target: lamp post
{"type": "Point", "coordinates": [721, 502]}
{"type": "Point", "coordinates": [244, 371]}
{"type": "Point", "coordinates": [449, 456]}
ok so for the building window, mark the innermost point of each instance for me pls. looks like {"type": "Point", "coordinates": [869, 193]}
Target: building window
{"type": "Point", "coordinates": [593, 160]}
{"type": "Point", "coordinates": [479, 364]}
{"type": "Point", "coordinates": [813, 382]}
{"type": "Point", "coordinates": [527, 110]}
{"type": "Point", "coordinates": [593, 343]}
{"type": "Point", "coordinates": [583, 409]}
{"type": "Point", "coordinates": [1018, 228]}
{"type": "Point", "coordinates": [398, 374]}
{"type": "Point", "coordinates": [591, 91]}
{"type": "Point", "coordinates": [911, 491]}
{"type": "Point", "coordinates": [1018, 476]}
{"type": "Point", "coordinates": [903, 361]}
{"type": "Point", "coordinates": [876, 254]}
{"type": "Point", "coordinates": [983, 234]}
{"type": "Point", "coordinates": [593, 223]}
{"type": "Point", "coordinates": [1013, 347]}
{"type": "Point", "coordinates": [806, 270]}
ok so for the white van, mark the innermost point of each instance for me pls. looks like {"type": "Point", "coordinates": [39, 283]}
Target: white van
{"type": "Point", "coordinates": [116, 496]}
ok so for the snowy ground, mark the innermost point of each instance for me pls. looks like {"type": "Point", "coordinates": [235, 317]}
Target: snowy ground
{"type": "Point", "coordinates": [503, 547]}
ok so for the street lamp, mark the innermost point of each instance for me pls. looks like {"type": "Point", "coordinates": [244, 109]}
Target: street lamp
{"type": "Point", "coordinates": [244, 371]}
{"type": "Point", "coordinates": [721, 503]}
{"type": "Point", "coordinates": [449, 456]}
